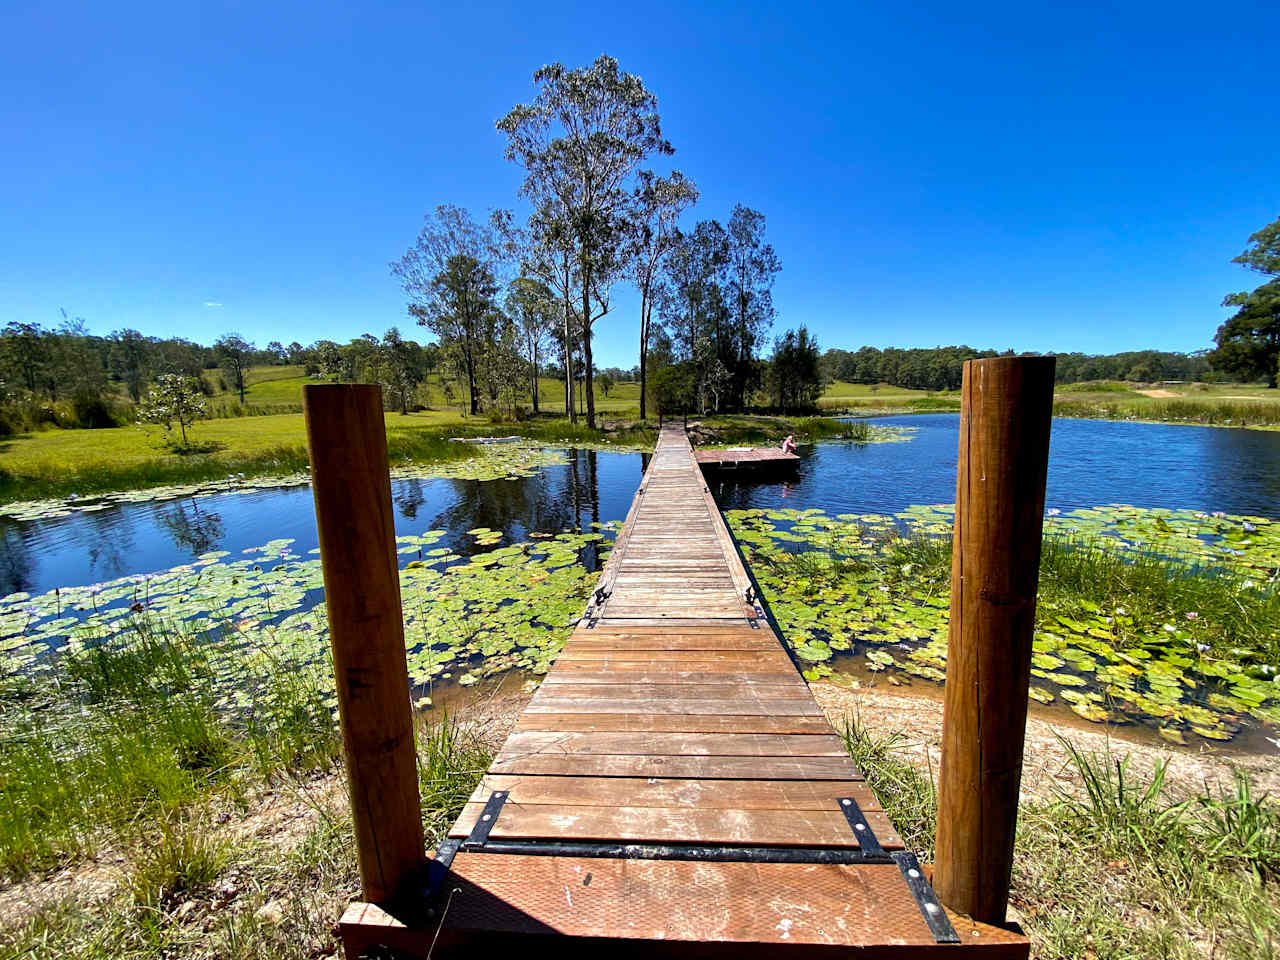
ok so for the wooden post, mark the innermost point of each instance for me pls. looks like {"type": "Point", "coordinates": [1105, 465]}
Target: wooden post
{"type": "Point", "coordinates": [352, 485]}
{"type": "Point", "coordinates": [1006, 410]}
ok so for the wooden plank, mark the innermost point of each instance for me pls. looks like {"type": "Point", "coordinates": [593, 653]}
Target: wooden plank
{"type": "Point", "coordinates": [827, 828]}
{"type": "Point", "coordinates": [682, 744]}
{"type": "Point", "coordinates": [624, 691]}
{"type": "Point", "coordinates": [728, 768]}
{"type": "Point", "coordinates": [751, 794]}
{"type": "Point", "coordinates": [559, 704]}
{"type": "Point", "coordinates": [769, 676]}
{"type": "Point", "coordinates": [672, 723]}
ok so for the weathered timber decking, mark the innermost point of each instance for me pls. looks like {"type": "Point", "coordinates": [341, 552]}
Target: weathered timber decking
{"type": "Point", "coordinates": [672, 788]}
{"type": "Point", "coordinates": [746, 458]}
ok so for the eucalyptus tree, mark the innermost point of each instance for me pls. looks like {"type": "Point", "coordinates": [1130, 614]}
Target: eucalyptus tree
{"type": "Point", "coordinates": [1249, 342]}
{"type": "Point", "coordinates": [544, 250]}
{"type": "Point", "coordinates": [657, 204]}
{"type": "Point", "coordinates": [580, 141]}
{"type": "Point", "coordinates": [399, 368]}
{"type": "Point", "coordinates": [233, 352]}
{"type": "Point", "coordinates": [751, 270]}
{"type": "Point", "coordinates": [532, 307]}
{"type": "Point", "coordinates": [693, 304]}
{"type": "Point", "coordinates": [450, 277]}
{"type": "Point", "coordinates": [130, 360]}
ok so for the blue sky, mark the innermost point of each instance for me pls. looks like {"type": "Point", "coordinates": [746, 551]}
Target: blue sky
{"type": "Point", "coordinates": [1060, 177]}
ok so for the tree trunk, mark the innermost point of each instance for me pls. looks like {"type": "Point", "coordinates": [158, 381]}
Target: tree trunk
{"type": "Point", "coordinates": [472, 388]}
{"type": "Point", "coordinates": [586, 346]}
{"type": "Point", "coordinates": [535, 380]}
{"type": "Point", "coordinates": [644, 342]}
{"type": "Point", "coordinates": [568, 345]}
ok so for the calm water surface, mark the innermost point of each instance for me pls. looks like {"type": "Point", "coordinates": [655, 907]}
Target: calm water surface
{"type": "Point", "coordinates": [37, 556]}
{"type": "Point", "coordinates": [1092, 462]}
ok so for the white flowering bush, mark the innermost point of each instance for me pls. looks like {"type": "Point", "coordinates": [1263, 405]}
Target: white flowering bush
{"type": "Point", "coordinates": [174, 399]}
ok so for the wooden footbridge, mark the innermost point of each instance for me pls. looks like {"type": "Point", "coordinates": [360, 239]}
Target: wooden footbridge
{"type": "Point", "coordinates": [672, 787]}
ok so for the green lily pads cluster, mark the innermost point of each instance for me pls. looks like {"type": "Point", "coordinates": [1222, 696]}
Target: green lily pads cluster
{"type": "Point", "coordinates": [853, 584]}
{"type": "Point", "coordinates": [496, 462]}
{"type": "Point", "coordinates": [501, 608]}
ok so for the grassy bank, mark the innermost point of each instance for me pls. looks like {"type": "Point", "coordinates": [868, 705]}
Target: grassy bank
{"type": "Point", "coordinates": [1238, 405]}
{"type": "Point", "coordinates": [258, 862]}
{"type": "Point", "coordinates": [1124, 867]}
{"type": "Point", "coordinates": [57, 463]}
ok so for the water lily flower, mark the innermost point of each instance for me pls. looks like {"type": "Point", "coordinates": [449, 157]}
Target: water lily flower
{"type": "Point", "coordinates": [1053, 511]}
{"type": "Point", "coordinates": [1202, 647]}
{"type": "Point", "coordinates": [1218, 514]}
{"type": "Point", "coordinates": [1192, 615]}
{"type": "Point", "coordinates": [1249, 527]}
{"type": "Point", "coordinates": [31, 610]}
{"type": "Point", "coordinates": [1170, 628]}
{"type": "Point", "coordinates": [1120, 611]}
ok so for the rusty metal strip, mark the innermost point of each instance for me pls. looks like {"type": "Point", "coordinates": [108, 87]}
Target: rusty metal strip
{"type": "Point", "coordinates": [439, 867]}
{"type": "Point", "coordinates": [714, 853]}
{"type": "Point", "coordinates": [484, 823]}
{"type": "Point", "coordinates": [936, 917]}
{"type": "Point", "coordinates": [867, 838]}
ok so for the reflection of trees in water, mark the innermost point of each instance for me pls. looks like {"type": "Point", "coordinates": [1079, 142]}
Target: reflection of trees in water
{"type": "Point", "coordinates": [15, 559]}
{"type": "Point", "coordinates": [555, 499]}
{"type": "Point", "coordinates": [409, 496]}
{"type": "Point", "coordinates": [1242, 469]}
{"type": "Point", "coordinates": [110, 538]}
{"type": "Point", "coordinates": [191, 528]}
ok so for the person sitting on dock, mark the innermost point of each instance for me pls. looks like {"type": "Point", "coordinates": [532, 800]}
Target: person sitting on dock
{"type": "Point", "coordinates": [789, 444]}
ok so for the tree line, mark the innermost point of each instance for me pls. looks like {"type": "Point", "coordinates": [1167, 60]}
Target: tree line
{"type": "Point", "coordinates": [941, 368]}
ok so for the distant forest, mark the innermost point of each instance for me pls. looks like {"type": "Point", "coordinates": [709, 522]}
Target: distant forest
{"type": "Point", "coordinates": [940, 368]}
{"type": "Point", "coordinates": [71, 378]}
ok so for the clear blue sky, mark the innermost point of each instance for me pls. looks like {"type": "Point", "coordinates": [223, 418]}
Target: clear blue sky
{"type": "Point", "coordinates": [1061, 177]}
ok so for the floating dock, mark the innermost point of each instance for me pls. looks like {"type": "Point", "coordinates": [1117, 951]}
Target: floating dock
{"type": "Point", "coordinates": [746, 458]}
{"type": "Point", "coordinates": [673, 788]}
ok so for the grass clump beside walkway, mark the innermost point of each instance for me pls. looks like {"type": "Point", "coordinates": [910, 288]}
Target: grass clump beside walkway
{"type": "Point", "coordinates": [1122, 866]}
{"type": "Point", "coordinates": [187, 828]}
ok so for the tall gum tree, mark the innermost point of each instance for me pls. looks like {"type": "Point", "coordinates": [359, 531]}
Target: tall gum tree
{"type": "Point", "coordinates": [657, 204]}
{"type": "Point", "coordinates": [752, 267]}
{"type": "Point", "coordinates": [450, 278]}
{"type": "Point", "coordinates": [531, 305]}
{"type": "Point", "coordinates": [580, 141]}
{"type": "Point", "coordinates": [1249, 342]}
{"type": "Point", "coordinates": [544, 251]}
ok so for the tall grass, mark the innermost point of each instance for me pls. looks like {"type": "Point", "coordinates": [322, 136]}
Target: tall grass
{"type": "Point", "coordinates": [1124, 866]}
{"type": "Point", "coordinates": [1239, 413]}
{"type": "Point", "coordinates": [136, 730]}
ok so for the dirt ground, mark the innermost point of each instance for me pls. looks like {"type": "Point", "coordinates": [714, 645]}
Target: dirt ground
{"type": "Point", "coordinates": [1046, 766]}
{"type": "Point", "coordinates": [1159, 394]}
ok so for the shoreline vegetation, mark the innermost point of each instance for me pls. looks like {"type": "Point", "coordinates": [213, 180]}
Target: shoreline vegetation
{"type": "Point", "coordinates": [176, 790]}
{"type": "Point", "coordinates": [1121, 852]}
{"type": "Point", "coordinates": [56, 463]}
